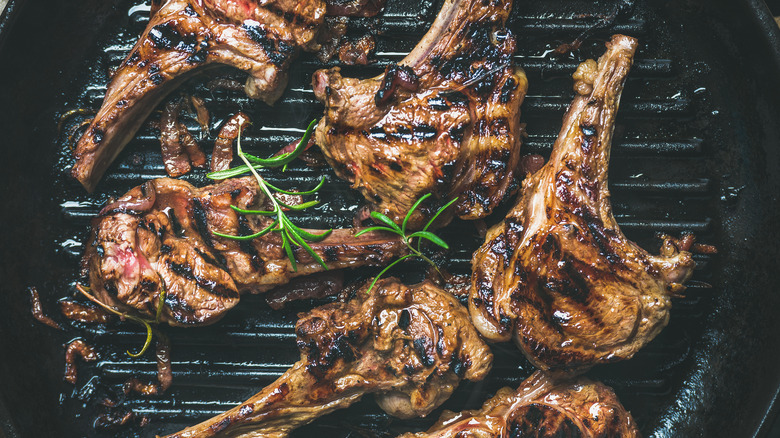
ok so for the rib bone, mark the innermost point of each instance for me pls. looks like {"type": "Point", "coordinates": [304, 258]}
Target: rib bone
{"type": "Point", "coordinates": [182, 38]}
{"type": "Point", "coordinates": [409, 345]}
{"type": "Point", "coordinates": [159, 239]}
{"type": "Point", "coordinates": [558, 274]}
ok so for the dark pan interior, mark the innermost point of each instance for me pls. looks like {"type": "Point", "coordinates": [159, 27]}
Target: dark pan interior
{"type": "Point", "coordinates": [696, 150]}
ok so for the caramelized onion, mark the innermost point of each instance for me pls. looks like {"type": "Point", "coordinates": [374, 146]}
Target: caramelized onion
{"type": "Point", "coordinates": [37, 310]}
{"type": "Point", "coordinates": [77, 348]}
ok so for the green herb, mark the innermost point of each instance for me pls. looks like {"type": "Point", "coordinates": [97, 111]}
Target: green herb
{"type": "Point", "coordinates": [290, 233]}
{"type": "Point", "coordinates": [408, 239]}
{"type": "Point", "coordinates": [147, 323]}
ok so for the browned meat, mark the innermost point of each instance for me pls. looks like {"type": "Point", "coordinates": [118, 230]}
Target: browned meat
{"type": "Point", "coordinates": [355, 8]}
{"type": "Point", "coordinates": [182, 38]}
{"type": "Point", "coordinates": [410, 346]}
{"type": "Point", "coordinates": [357, 52]}
{"type": "Point", "coordinates": [223, 146]}
{"type": "Point", "coordinates": [158, 239]}
{"type": "Point", "coordinates": [315, 286]}
{"type": "Point", "coordinates": [445, 120]}
{"type": "Point", "coordinates": [541, 408]}
{"type": "Point", "coordinates": [180, 151]}
{"type": "Point", "coordinates": [557, 273]}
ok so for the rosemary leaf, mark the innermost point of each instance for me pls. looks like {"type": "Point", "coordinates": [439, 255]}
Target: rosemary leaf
{"type": "Point", "coordinates": [262, 232]}
{"type": "Point", "coordinates": [386, 220]}
{"type": "Point", "coordinates": [255, 212]}
{"type": "Point", "coordinates": [429, 236]}
{"type": "Point", "coordinates": [377, 228]}
{"type": "Point", "coordinates": [411, 211]}
{"type": "Point", "coordinates": [438, 212]}
{"type": "Point", "coordinates": [307, 192]}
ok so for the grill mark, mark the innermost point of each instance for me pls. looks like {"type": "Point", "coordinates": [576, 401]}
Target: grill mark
{"type": "Point", "coordinates": [211, 260]}
{"type": "Point", "coordinates": [331, 254]}
{"type": "Point", "coordinates": [421, 347]}
{"type": "Point", "coordinates": [291, 17]}
{"type": "Point", "coordinates": [247, 245]}
{"type": "Point", "coordinates": [201, 223]}
{"type": "Point", "coordinates": [339, 346]}
{"type": "Point", "coordinates": [185, 270]}
{"type": "Point", "coordinates": [438, 103]}
{"type": "Point", "coordinates": [455, 98]}
{"type": "Point", "coordinates": [507, 90]}
{"type": "Point", "coordinates": [165, 36]}
{"type": "Point", "coordinates": [279, 52]}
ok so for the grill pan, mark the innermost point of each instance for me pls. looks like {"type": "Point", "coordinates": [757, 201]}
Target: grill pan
{"type": "Point", "coordinates": [696, 149]}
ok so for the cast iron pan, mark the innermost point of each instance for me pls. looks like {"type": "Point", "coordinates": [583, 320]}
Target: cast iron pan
{"type": "Point", "coordinates": [696, 149]}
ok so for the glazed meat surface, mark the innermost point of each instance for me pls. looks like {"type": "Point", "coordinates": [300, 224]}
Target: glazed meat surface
{"type": "Point", "coordinates": [541, 408]}
{"type": "Point", "coordinates": [158, 239]}
{"type": "Point", "coordinates": [558, 274]}
{"type": "Point", "coordinates": [184, 37]}
{"type": "Point", "coordinates": [444, 120]}
{"type": "Point", "coordinates": [410, 345]}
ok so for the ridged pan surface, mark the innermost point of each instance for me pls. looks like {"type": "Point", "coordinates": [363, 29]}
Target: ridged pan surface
{"type": "Point", "coordinates": [693, 152]}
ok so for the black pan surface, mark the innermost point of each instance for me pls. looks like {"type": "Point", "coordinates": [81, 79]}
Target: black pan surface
{"type": "Point", "coordinates": [696, 150]}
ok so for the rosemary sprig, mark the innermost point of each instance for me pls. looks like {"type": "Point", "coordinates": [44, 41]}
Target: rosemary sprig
{"type": "Point", "coordinates": [290, 233]}
{"type": "Point", "coordinates": [147, 323]}
{"type": "Point", "coordinates": [408, 240]}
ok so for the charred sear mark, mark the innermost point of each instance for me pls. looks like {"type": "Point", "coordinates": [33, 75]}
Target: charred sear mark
{"type": "Point", "coordinates": [423, 347]}
{"type": "Point", "coordinates": [542, 421]}
{"type": "Point", "coordinates": [185, 270]}
{"type": "Point", "coordinates": [291, 16]}
{"type": "Point", "coordinates": [220, 426]}
{"type": "Point", "coordinates": [455, 98]}
{"type": "Point", "coordinates": [176, 227]}
{"type": "Point", "coordinates": [560, 359]}
{"type": "Point", "coordinates": [331, 254]}
{"type": "Point", "coordinates": [165, 36]}
{"type": "Point", "coordinates": [278, 52]}
{"type": "Point", "coordinates": [485, 291]}
{"type": "Point", "coordinates": [507, 90]}
{"type": "Point", "coordinates": [438, 103]}
{"type": "Point", "coordinates": [377, 132]}
{"type": "Point", "coordinates": [322, 354]}
{"type": "Point", "coordinates": [201, 53]}
{"type": "Point", "coordinates": [211, 260]}
{"type": "Point", "coordinates": [201, 222]}
{"type": "Point", "coordinates": [404, 319]}
{"type": "Point", "coordinates": [180, 310]}
{"type": "Point", "coordinates": [247, 246]}
{"type": "Point", "coordinates": [97, 134]}
{"type": "Point", "coordinates": [458, 366]}
{"type": "Point", "coordinates": [191, 12]}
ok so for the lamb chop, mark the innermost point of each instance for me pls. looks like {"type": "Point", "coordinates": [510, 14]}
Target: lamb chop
{"type": "Point", "coordinates": [444, 120]}
{"type": "Point", "coordinates": [410, 345]}
{"type": "Point", "coordinates": [158, 242]}
{"type": "Point", "coordinates": [541, 408]}
{"type": "Point", "coordinates": [558, 274]}
{"type": "Point", "coordinates": [182, 38]}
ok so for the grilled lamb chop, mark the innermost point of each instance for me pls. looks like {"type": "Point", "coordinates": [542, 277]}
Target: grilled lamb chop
{"type": "Point", "coordinates": [158, 238]}
{"type": "Point", "coordinates": [410, 345]}
{"type": "Point", "coordinates": [444, 120]}
{"type": "Point", "coordinates": [182, 38]}
{"type": "Point", "coordinates": [541, 408]}
{"type": "Point", "coordinates": [558, 274]}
